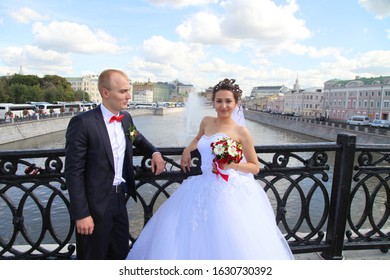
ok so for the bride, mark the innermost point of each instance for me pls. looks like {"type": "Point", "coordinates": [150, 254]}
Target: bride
{"type": "Point", "coordinates": [223, 213]}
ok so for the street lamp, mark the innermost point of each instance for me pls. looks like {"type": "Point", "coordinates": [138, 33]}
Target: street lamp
{"type": "Point", "coordinates": [85, 89]}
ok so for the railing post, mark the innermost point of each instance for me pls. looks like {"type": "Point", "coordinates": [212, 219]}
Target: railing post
{"type": "Point", "coordinates": [339, 202]}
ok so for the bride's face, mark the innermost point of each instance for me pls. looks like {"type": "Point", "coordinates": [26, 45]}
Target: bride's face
{"type": "Point", "coordinates": [224, 103]}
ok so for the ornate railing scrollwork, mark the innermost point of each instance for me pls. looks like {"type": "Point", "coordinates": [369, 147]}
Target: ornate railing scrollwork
{"type": "Point", "coordinates": [36, 222]}
{"type": "Point", "coordinates": [371, 188]}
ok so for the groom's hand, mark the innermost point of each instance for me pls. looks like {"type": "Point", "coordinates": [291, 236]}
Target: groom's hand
{"type": "Point", "coordinates": [85, 225]}
{"type": "Point", "coordinates": [158, 163]}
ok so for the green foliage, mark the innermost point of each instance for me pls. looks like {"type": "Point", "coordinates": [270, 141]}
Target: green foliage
{"type": "Point", "coordinates": [28, 80]}
{"type": "Point", "coordinates": [80, 94]}
{"type": "Point", "coordinates": [4, 92]}
{"type": "Point", "coordinates": [24, 88]}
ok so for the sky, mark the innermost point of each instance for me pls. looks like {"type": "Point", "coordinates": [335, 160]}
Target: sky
{"type": "Point", "coordinates": [198, 42]}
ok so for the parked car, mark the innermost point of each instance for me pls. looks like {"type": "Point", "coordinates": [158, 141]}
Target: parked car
{"type": "Point", "coordinates": [358, 120]}
{"type": "Point", "coordinates": [380, 123]}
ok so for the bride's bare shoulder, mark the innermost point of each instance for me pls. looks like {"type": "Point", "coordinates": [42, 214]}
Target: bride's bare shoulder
{"type": "Point", "coordinates": [208, 119]}
{"type": "Point", "coordinates": [243, 132]}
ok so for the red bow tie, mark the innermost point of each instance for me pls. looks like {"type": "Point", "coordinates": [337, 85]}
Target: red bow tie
{"type": "Point", "coordinates": [116, 118]}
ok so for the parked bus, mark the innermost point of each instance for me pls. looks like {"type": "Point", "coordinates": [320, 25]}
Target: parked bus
{"type": "Point", "coordinates": [48, 108]}
{"type": "Point", "coordinates": [72, 107]}
{"type": "Point", "coordinates": [145, 105]}
{"type": "Point", "coordinates": [16, 110]}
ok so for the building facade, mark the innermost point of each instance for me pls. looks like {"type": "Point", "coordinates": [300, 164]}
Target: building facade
{"type": "Point", "coordinates": [87, 84]}
{"type": "Point", "coordinates": [338, 99]}
{"type": "Point", "coordinates": [306, 102]}
{"type": "Point", "coordinates": [161, 91]}
{"type": "Point", "coordinates": [361, 96]}
{"type": "Point", "coordinates": [144, 96]}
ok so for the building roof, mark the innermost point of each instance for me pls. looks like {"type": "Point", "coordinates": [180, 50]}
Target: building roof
{"type": "Point", "coordinates": [360, 80]}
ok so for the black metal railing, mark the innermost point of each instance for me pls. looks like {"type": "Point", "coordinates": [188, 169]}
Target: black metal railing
{"type": "Point", "coordinates": [328, 197]}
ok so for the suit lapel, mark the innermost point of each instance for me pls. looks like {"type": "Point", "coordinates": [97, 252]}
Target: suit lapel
{"type": "Point", "coordinates": [104, 135]}
{"type": "Point", "coordinates": [126, 126]}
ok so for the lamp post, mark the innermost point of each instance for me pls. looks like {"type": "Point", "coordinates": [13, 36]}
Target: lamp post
{"type": "Point", "coordinates": [85, 89]}
{"type": "Point", "coordinates": [381, 102]}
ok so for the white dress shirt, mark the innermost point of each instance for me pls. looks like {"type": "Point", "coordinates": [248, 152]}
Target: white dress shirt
{"type": "Point", "coordinates": [118, 143]}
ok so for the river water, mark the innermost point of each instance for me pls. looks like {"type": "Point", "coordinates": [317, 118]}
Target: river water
{"type": "Point", "coordinates": [171, 130]}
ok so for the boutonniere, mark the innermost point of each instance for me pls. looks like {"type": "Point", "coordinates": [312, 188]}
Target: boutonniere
{"type": "Point", "coordinates": [133, 132]}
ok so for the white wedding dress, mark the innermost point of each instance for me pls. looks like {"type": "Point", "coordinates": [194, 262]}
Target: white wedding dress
{"type": "Point", "coordinates": [207, 218]}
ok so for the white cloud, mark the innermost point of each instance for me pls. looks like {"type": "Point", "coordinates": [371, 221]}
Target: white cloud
{"type": "Point", "coordinates": [381, 8]}
{"type": "Point", "coordinates": [36, 60]}
{"type": "Point", "coordinates": [262, 21]}
{"type": "Point", "coordinates": [26, 15]}
{"type": "Point", "coordinates": [181, 3]}
{"type": "Point", "coordinates": [142, 70]}
{"type": "Point", "coordinates": [202, 27]}
{"type": "Point", "coordinates": [368, 64]}
{"type": "Point", "coordinates": [181, 55]}
{"type": "Point", "coordinates": [165, 60]}
{"type": "Point", "coordinates": [73, 37]}
{"type": "Point", "coordinates": [313, 52]}
{"type": "Point", "coordinates": [374, 62]}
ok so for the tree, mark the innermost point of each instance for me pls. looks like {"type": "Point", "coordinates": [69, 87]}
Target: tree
{"type": "Point", "coordinates": [52, 94]}
{"type": "Point", "coordinates": [5, 96]}
{"type": "Point", "coordinates": [19, 93]}
{"type": "Point", "coordinates": [29, 80]}
{"type": "Point", "coordinates": [80, 94]}
{"type": "Point", "coordinates": [59, 82]}
{"type": "Point", "coordinates": [50, 88]}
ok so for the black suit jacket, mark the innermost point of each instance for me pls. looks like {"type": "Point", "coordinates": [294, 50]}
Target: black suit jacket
{"type": "Point", "coordinates": [89, 162]}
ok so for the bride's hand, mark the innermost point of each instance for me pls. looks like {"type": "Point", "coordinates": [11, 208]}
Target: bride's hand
{"type": "Point", "coordinates": [228, 166]}
{"type": "Point", "coordinates": [185, 161]}
{"type": "Point", "coordinates": [214, 170]}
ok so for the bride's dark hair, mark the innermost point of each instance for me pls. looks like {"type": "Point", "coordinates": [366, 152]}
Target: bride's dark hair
{"type": "Point", "coordinates": [228, 84]}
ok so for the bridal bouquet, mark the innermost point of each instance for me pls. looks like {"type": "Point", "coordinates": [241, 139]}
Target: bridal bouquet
{"type": "Point", "coordinates": [226, 151]}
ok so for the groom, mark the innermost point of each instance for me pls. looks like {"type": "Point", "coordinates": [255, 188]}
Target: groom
{"type": "Point", "coordinates": [99, 170]}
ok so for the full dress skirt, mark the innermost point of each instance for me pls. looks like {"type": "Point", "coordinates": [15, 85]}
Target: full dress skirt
{"type": "Point", "coordinates": [208, 218]}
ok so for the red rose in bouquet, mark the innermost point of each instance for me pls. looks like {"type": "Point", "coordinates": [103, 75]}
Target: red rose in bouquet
{"type": "Point", "coordinates": [226, 151]}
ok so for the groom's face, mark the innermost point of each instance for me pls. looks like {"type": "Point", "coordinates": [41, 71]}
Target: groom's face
{"type": "Point", "coordinates": [118, 93]}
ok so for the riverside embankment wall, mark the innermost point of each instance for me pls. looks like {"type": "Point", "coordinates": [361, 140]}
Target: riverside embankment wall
{"type": "Point", "coordinates": [323, 130]}
{"type": "Point", "coordinates": [28, 129]}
